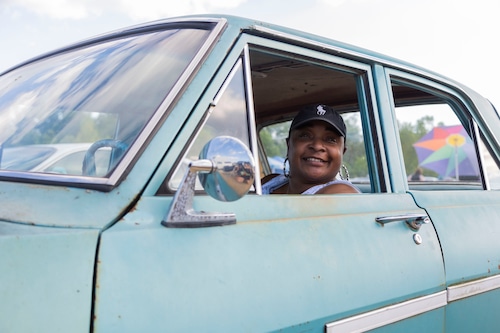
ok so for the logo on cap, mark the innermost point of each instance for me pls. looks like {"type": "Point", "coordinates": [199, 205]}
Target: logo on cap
{"type": "Point", "coordinates": [321, 111]}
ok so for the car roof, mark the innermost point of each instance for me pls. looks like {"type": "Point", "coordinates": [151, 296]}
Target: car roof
{"type": "Point", "coordinates": [239, 25]}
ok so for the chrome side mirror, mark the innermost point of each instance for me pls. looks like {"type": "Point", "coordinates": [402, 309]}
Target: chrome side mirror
{"type": "Point", "coordinates": [226, 170]}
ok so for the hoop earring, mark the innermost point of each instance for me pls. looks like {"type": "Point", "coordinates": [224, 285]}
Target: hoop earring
{"type": "Point", "coordinates": [346, 173]}
{"type": "Point", "coordinates": [286, 174]}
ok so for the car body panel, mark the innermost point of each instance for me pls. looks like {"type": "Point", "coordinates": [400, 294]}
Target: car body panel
{"type": "Point", "coordinates": [483, 316]}
{"type": "Point", "coordinates": [90, 254]}
{"type": "Point", "coordinates": [462, 219]}
{"type": "Point", "coordinates": [47, 276]}
{"type": "Point", "coordinates": [251, 267]}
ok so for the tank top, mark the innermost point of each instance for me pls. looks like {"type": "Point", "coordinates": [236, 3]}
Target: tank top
{"type": "Point", "coordinates": [281, 180]}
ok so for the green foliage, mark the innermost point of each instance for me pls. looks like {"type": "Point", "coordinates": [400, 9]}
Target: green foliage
{"type": "Point", "coordinates": [273, 139]}
{"type": "Point", "coordinates": [409, 134]}
{"type": "Point", "coordinates": [355, 156]}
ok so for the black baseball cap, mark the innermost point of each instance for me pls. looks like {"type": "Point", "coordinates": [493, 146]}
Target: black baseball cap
{"type": "Point", "coordinates": [319, 112]}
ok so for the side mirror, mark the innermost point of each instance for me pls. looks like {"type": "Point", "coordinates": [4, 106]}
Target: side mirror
{"type": "Point", "coordinates": [226, 170]}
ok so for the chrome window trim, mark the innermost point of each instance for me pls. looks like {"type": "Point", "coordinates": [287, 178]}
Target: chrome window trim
{"type": "Point", "coordinates": [237, 65]}
{"type": "Point", "coordinates": [108, 183]}
{"type": "Point", "coordinates": [157, 116]}
{"type": "Point", "coordinates": [251, 116]}
{"type": "Point", "coordinates": [388, 315]}
{"type": "Point", "coordinates": [478, 142]}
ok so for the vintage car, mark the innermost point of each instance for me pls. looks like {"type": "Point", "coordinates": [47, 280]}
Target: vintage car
{"type": "Point", "coordinates": [175, 235]}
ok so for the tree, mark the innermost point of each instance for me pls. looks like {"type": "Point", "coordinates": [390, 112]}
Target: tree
{"type": "Point", "coordinates": [409, 134]}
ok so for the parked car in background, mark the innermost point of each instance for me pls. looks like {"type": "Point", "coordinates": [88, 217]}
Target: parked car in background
{"type": "Point", "coordinates": [184, 107]}
{"type": "Point", "coordinates": [64, 158]}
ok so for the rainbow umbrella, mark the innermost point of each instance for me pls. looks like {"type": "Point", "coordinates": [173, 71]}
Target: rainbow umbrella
{"type": "Point", "coordinates": [449, 151]}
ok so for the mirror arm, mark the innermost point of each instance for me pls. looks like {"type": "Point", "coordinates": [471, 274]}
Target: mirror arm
{"type": "Point", "coordinates": [181, 213]}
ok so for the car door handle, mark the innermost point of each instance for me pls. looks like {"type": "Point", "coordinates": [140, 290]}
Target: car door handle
{"type": "Point", "coordinates": [414, 221]}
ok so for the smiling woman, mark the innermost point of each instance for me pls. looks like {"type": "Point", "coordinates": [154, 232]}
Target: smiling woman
{"type": "Point", "coordinates": [316, 145]}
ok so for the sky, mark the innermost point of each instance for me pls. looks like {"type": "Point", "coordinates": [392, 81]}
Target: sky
{"type": "Point", "coordinates": [456, 38]}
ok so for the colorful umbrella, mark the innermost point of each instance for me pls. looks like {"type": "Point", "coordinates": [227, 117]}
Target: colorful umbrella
{"type": "Point", "coordinates": [449, 151]}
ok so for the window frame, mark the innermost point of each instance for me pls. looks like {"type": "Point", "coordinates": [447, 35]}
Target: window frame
{"type": "Point", "coordinates": [362, 71]}
{"type": "Point", "coordinates": [215, 27]}
{"type": "Point", "coordinates": [456, 99]}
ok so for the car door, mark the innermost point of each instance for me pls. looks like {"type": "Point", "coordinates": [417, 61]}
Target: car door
{"type": "Point", "coordinates": [462, 199]}
{"type": "Point", "coordinates": [339, 263]}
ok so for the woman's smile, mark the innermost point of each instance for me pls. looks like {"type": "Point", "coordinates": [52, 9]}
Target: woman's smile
{"type": "Point", "coordinates": [315, 161]}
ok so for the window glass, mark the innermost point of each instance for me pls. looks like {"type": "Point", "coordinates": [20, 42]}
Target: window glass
{"type": "Point", "coordinates": [281, 84]}
{"type": "Point", "coordinates": [491, 166]}
{"type": "Point", "coordinates": [64, 159]}
{"type": "Point", "coordinates": [72, 163]}
{"type": "Point", "coordinates": [436, 143]}
{"type": "Point", "coordinates": [228, 117]}
{"type": "Point", "coordinates": [106, 90]}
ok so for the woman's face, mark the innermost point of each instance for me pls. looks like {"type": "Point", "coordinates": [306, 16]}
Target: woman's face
{"type": "Point", "coordinates": [315, 153]}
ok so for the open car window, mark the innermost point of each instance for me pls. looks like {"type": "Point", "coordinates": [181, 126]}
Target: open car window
{"type": "Point", "coordinates": [278, 85]}
{"type": "Point", "coordinates": [283, 84]}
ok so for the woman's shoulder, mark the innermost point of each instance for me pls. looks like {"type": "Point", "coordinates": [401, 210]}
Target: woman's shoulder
{"type": "Point", "coordinates": [268, 177]}
{"type": "Point", "coordinates": [333, 187]}
{"type": "Point", "coordinates": [273, 182]}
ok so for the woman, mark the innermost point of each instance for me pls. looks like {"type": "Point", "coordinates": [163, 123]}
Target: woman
{"type": "Point", "coordinates": [316, 145]}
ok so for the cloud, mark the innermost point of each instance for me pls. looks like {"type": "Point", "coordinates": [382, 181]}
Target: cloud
{"type": "Point", "coordinates": [154, 9]}
{"type": "Point", "coordinates": [332, 3]}
{"type": "Point", "coordinates": [137, 10]}
{"type": "Point", "coordinates": [58, 9]}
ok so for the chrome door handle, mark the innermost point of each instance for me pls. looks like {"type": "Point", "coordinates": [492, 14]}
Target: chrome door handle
{"type": "Point", "coordinates": [414, 221]}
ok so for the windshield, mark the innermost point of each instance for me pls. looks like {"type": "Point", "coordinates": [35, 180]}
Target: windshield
{"type": "Point", "coordinates": [97, 97]}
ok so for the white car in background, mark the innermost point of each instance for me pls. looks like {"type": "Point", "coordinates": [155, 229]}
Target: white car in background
{"type": "Point", "coordinates": [63, 158]}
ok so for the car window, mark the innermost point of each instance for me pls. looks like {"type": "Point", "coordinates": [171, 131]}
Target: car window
{"type": "Point", "coordinates": [103, 93]}
{"type": "Point", "coordinates": [71, 164]}
{"type": "Point", "coordinates": [281, 84]}
{"type": "Point", "coordinates": [491, 166]}
{"type": "Point", "coordinates": [438, 139]}
{"type": "Point", "coordinates": [227, 116]}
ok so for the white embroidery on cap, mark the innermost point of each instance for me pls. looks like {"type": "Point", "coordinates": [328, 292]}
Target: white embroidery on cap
{"type": "Point", "coordinates": [321, 111]}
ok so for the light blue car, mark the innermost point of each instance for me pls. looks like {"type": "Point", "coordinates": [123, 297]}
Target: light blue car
{"type": "Point", "coordinates": [171, 233]}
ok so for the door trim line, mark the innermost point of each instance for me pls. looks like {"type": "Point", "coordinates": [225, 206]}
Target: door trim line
{"type": "Point", "coordinates": [472, 288]}
{"type": "Point", "coordinates": [389, 314]}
